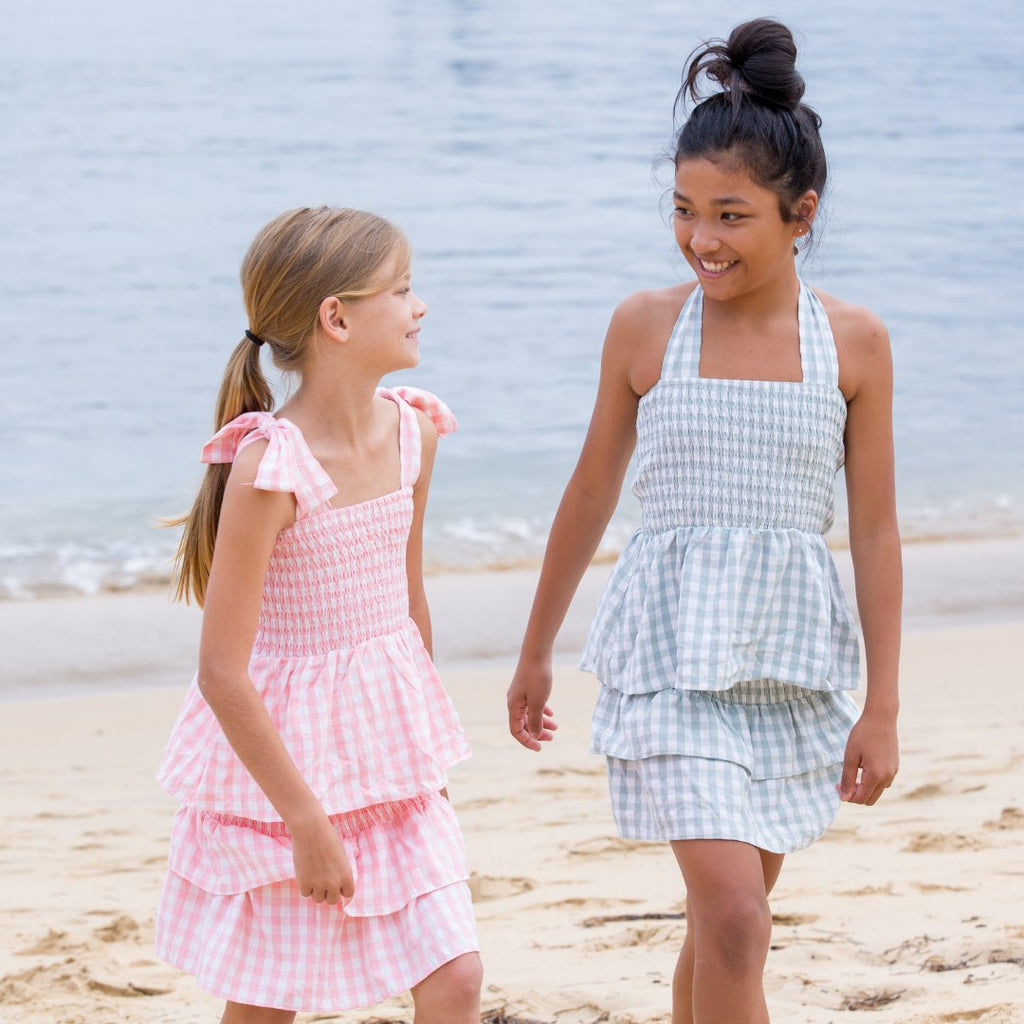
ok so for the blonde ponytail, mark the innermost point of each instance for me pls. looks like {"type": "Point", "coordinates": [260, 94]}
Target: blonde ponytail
{"type": "Point", "coordinates": [243, 389]}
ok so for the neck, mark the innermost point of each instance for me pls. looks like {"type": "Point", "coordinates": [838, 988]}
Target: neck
{"type": "Point", "coordinates": [331, 405]}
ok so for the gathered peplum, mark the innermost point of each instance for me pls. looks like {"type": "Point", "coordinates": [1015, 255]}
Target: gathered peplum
{"type": "Point", "coordinates": [340, 665]}
{"type": "Point", "coordinates": [729, 578]}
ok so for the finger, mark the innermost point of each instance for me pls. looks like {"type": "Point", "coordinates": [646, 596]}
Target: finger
{"type": "Point", "coordinates": [848, 781]}
{"type": "Point", "coordinates": [523, 736]}
{"type": "Point", "coordinates": [535, 721]}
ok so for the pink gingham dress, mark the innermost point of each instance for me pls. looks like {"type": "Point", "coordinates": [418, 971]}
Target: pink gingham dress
{"type": "Point", "coordinates": [357, 701]}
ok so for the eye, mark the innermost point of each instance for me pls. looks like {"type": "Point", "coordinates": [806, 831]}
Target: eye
{"type": "Point", "coordinates": [731, 217]}
{"type": "Point", "coordinates": [682, 211]}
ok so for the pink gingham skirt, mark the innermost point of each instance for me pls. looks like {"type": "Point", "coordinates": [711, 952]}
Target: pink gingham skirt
{"type": "Point", "coordinates": [231, 914]}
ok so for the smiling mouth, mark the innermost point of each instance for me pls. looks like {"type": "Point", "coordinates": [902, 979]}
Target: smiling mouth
{"type": "Point", "coordinates": [716, 267]}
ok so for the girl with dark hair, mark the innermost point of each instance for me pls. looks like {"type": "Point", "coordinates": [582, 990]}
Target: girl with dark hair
{"type": "Point", "coordinates": [723, 642]}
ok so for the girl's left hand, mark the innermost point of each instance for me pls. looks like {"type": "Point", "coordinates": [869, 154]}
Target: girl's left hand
{"type": "Point", "coordinates": [872, 759]}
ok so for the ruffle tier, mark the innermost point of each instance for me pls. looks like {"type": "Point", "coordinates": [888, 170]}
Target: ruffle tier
{"type": "Point", "coordinates": [364, 725]}
{"type": "Point", "coordinates": [396, 851]}
{"type": "Point", "coordinates": [769, 729]}
{"type": "Point", "coordinates": [264, 945]}
{"type": "Point", "coordinates": [704, 608]}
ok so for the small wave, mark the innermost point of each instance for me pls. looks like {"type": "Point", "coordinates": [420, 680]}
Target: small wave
{"type": "Point", "coordinates": [464, 544]}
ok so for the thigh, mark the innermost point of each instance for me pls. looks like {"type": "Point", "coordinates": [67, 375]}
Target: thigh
{"type": "Point", "coordinates": [771, 867]}
{"type": "Point", "coordinates": [715, 867]}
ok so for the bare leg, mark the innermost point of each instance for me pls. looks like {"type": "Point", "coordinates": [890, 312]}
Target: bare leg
{"type": "Point", "coordinates": [451, 995]}
{"type": "Point", "coordinates": [682, 980]}
{"type": "Point", "coordinates": [239, 1013]}
{"type": "Point", "coordinates": [718, 978]}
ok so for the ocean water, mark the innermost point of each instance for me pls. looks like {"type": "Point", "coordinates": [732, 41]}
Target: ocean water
{"type": "Point", "coordinates": [517, 143]}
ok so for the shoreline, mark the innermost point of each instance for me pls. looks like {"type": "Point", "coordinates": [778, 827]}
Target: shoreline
{"type": "Point", "coordinates": [140, 639]}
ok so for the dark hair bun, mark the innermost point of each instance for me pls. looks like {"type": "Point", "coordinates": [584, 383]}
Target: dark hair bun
{"type": "Point", "coordinates": [758, 60]}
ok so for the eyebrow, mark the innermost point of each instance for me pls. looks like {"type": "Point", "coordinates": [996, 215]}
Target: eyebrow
{"type": "Point", "coordinates": [724, 201]}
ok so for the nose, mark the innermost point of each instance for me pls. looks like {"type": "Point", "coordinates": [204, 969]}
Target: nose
{"type": "Point", "coordinates": [419, 307]}
{"type": "Point", "coordinates": [704, 238]}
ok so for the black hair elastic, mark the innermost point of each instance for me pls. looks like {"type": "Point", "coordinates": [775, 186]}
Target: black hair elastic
{"type": "Point", "coordinates": [254, 338]}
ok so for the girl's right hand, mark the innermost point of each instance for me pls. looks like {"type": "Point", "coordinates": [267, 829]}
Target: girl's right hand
{"type": "Point", "coordinates": [530, 719]}
{"type": "Point", "coordinates": [321, 865]}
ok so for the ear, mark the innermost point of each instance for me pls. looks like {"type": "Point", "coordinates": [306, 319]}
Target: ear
{"type": "Point", "coordinates": [331, 318]}
{"type": "Point", "coordinates": [805, 209]}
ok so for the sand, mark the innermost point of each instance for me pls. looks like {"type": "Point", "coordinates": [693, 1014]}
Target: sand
{"type": "Point", "coordinates": [912, 910]}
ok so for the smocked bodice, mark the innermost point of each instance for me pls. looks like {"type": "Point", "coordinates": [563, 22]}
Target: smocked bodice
{"type": "Point", "coordinates": [729, 579]}
{"type": "Point", "coordinates": [337, 578]}
{"type": "Point", "coordinates": [741, 453]}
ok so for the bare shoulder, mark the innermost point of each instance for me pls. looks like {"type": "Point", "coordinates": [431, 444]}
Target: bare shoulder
{"type": "Point", "coordinates": [650, 308]}
{"type": "Point", "coordinates": [428, 431]}
{"type": "Point", "coordinates": [855, 328]}
{"type": "Point", "coordinates": [247, 462]}
{"type": "Point", "coordinates": [862, 344]}
{"type": "Point", "coordinates": [639, 332]}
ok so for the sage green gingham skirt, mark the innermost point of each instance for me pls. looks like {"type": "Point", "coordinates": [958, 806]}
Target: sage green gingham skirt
{"type": "Point", "coordinates": [758, 763]}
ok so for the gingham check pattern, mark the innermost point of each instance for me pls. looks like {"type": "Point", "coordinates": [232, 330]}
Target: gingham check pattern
{"type": "Point", "coordinates": [266, 946]}
{"type": "Point", "coordinates": [355, 697]}
{"type": "Point", "coordinates": [723, 637]}
{"type": "Point", "coordinates": [676, 797]}
{"type": "Point", "coordinates": [729, 577]}
{"type": "Point", "coordinates": [756, 763]}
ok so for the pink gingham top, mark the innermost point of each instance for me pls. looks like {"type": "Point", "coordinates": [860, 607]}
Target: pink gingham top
{"type": "Point", "coordinates": [338, 662]}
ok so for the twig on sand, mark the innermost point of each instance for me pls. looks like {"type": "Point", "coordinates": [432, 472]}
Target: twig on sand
{"type": "Point", "coordinates": [593, 922]}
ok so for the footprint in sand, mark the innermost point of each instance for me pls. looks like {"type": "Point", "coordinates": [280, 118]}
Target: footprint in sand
{"type": "Point", "coordinates": [486, 887]}
{"type": "Point", "coordinates": [941, 842]}
{"type": "Point", "coordinates": [49, 945]}
{"type": "Point", "coordinates": [601, 845]}
{"type": "Point", "coordinates": [28, 986]}
{"type": "Point", "coordinates": [868, 890]}
{"type": "Point", "coordinates": [937, 887]}
{"type": "Point", "coordinates": [1001, 1013]}
{"type": "Point", "coordinates": [1011, 818]}
{"type": "Point", "coordinates": [793, 920]}
{"type": "Point", "coordinates": [869, 1000]}
{"type": "Point", "coordinates": [120, 929]}
{"type": "Point", "coordinates": [927, 791]}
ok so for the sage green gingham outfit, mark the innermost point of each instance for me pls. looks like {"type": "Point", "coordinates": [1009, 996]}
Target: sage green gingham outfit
{"type": "Point", "coordinates": [723, 642]}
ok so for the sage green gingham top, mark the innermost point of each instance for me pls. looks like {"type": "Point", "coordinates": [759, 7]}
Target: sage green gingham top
{"type": "Point", "coordinates": [729, 577]}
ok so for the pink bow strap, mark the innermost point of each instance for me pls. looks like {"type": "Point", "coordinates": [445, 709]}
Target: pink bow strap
{"type": "Point", "coordinates": [287, 464]}
{"type": "Point", "coordinates": [441, 416]}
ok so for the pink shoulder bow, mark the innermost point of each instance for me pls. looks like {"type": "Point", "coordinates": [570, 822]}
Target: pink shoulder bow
{"type": "Point", "coordinates": [440, 415]}
{"type": "Point", "coordinates": [287, 464]}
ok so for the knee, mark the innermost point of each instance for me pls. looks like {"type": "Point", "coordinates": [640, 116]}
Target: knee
{"type": "Point", "coordinates": [737, 933]}
{"type": "Point", "coordinates": [464, 977]}
{"type": "Point", "coordinates": [452, 991]}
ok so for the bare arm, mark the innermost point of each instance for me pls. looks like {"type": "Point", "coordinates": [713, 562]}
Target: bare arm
{"type": "Point", "coordinates": [419, 610]}
{"type": "Point", "coordinates": [250, 521]}
{"type": "Point", "coordinates": [875, 548]}
{"type": "Point", "coordinates": [583, 514]}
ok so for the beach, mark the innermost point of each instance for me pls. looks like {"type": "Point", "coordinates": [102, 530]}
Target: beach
{"type": "Point", "coordinates": [911, 910]}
